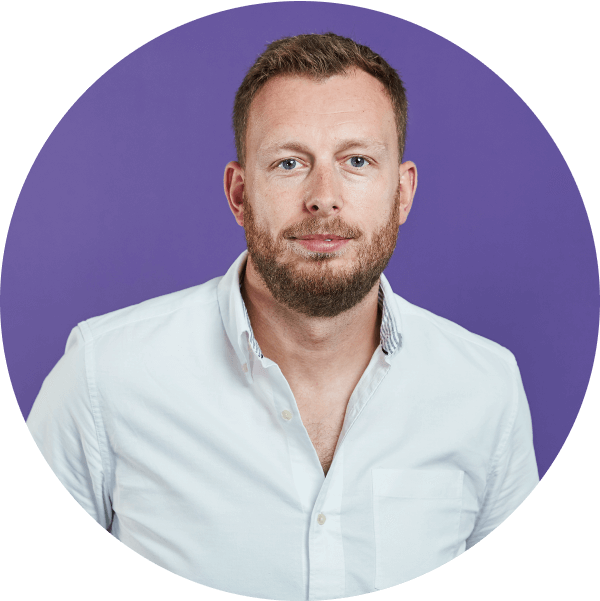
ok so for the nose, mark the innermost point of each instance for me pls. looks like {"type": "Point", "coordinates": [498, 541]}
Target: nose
{"type": "Point", "coordinates": [324, 194]}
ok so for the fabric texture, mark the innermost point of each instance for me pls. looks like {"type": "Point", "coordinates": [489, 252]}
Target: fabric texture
{"type": "Point", "coordinates": [164, 421]}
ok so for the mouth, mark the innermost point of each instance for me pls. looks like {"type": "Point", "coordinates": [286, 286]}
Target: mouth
{"type": "Point", "coordinates": [320, 237]}
{"type": "Point", "coordinates": [325, 243]}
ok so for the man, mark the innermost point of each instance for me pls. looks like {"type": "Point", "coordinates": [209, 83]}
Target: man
{"type": "Point", "coordinates": [294, 429]}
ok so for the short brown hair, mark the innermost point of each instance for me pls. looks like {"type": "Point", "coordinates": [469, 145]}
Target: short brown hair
{"type": "Point", "coordinates": [318, 56]}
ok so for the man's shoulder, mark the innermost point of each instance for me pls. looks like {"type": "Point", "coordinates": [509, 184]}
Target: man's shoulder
{"type": "Point", "coordinates": [152, 310]}
{"type": "Point", "coordinates": [435, 325]}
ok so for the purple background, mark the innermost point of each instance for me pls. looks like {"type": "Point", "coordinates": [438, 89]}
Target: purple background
{"type": "Point", "coordinates": [125, 202]}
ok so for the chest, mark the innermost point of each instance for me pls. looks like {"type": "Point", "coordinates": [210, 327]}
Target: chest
{"type": "Point", "coordinates": [323, 422]}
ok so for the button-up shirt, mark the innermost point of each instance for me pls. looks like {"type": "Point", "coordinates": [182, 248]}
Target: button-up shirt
{"type": "Point", "coordinates": [171, 428]}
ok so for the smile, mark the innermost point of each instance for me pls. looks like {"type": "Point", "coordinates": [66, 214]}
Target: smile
{"type": "Point", "coordinates": [322, 243]}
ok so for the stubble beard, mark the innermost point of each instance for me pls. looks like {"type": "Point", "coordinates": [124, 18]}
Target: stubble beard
{"type": "Point", "coordinates": [308, 283]}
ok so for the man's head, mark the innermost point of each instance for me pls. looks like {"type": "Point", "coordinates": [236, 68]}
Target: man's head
{"type": "Point", "coordinates": [320, 187]}
{"type": "Point", "coordinates": [316, 56]}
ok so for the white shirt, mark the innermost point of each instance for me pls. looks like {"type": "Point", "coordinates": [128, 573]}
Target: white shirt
{"type": "Point", "coordinates": [171, 429]}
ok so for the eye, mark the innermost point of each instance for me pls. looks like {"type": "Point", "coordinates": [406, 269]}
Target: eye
{"type": "Point", "coordinates": [288, 164]}
{"type": "Point", "coordinates": [358, 162]}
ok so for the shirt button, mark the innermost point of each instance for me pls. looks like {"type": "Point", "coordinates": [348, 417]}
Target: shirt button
{"type": "Point", "coordinates": [287, 415]}
{"type": "Point", "coordinates": [245, 368]}
{"type": "Point", "coordinates": [321, 519]}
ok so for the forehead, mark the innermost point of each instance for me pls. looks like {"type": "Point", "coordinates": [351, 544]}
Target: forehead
{"type": "Point", "coordinates": [348, 105]}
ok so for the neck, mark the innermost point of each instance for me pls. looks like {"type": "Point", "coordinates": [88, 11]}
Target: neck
{"type": "Point", "coordinates": [318, 346]}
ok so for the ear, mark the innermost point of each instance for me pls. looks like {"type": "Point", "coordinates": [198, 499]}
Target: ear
{"type": "Point", "coordinates": [408, 187]}
{"type": "Point", "coordinates": [233, 182]}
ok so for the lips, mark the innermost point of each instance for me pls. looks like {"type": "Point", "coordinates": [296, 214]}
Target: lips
{"type": "Point", "coordinates": [321, 237]}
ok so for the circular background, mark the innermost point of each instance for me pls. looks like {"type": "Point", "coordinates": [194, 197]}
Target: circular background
{"type": "Point", "coordinates": [125, 202]}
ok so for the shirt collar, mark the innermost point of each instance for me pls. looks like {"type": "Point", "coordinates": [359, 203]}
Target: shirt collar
{"type": "Point", "coordinates": [239, 330]}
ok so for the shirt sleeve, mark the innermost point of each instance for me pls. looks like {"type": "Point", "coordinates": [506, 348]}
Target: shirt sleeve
{"type": "Point", "coordinates": [64, 425]}
{"type": "Point", "coordinates": [514, 472]}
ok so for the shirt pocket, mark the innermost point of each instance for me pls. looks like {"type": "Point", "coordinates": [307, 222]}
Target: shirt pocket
{"type": "Point", "coordinates": [417, 516]}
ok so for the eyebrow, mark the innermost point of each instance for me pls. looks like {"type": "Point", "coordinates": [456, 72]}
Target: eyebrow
{"type": "Point", "coordinates": [296, 146]}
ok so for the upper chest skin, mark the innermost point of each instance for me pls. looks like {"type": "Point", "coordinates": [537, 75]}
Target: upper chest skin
{"type": "Point", "coordinates": [323, 423]}
{"type": "Point", "coordinates": [322, 408]}
{"type": "Point", "coordinates": [322, 383]}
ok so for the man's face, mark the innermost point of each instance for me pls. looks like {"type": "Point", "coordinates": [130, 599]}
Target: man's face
{"type": "Point", "coordinates": [323, 191]}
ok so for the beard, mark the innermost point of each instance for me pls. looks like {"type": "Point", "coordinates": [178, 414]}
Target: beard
{"type": "Point", "coordinates": [312, 286]}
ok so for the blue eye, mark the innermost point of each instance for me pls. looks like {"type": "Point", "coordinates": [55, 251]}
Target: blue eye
{"type": "Point", "coordinates": [288, 164]}
{"type": "Point", "coordinates": [358, 162]}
